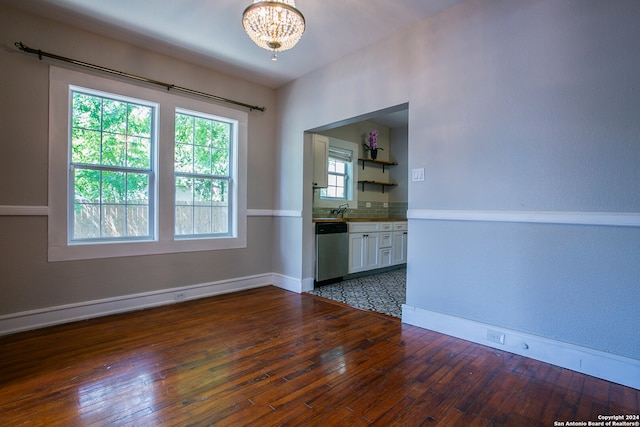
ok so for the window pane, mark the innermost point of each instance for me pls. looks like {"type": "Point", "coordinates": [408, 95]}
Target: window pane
{"type": "Point", "coordinates": [201, 159]}
{"type": "Point", "coordinates": [202, 132]}
{"type": "Point", "coordinates": [202, 220]}
{"type": "Point", "coordinates": [184, 158]}
{"type": "Point", "coordinates": [139, 120]}
{"type": "Point", "coordinates": [113, 220]}
{"type": "Point", "coordinates": [113, 187]}
{"type": "Point", "coordinates": [138, 220]}
{"type": "Point", "coordinates": [184, 129]}
{"type": "Point", "coordinates": [85, 146]}
{"type": "Point", "coordinates": [86, 111]}
{"type": "Point", "coordinates": [139, 152]}
{"type": "Point", "coordinates": [220, 135]}
{"type": "Point", "coordinates": [113, 150]}
{"type": "Point", "coordinates": [202, 192]}
{"type": "Point", "coordinates": [86, 220]}
{"type": "Point", "coordinates": [340, 167]}
{"type": "Point", "coordinates": [332, 165]}
{"type": "Point", "coordinates": [86, 186]}
{"type": "Point", "coordinates": [220, 162]}
{"type": "Point", "coordinates": [220, 219]}
{"type": "Point", "coordinates": [114, 116]}
{"type": "Point", "coordinates": [220, 188]}
{"type": "Point", "coordinates": [137, 189]}
{"type": "Point", "coordinates": [184, 220]}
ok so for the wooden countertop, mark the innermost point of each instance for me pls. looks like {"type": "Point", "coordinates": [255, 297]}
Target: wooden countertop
{"type": "Point", "coordinates": [359, 219]}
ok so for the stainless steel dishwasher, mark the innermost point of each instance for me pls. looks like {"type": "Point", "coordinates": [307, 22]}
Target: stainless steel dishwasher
{"type": "Point", "coordinates": [332, 244]}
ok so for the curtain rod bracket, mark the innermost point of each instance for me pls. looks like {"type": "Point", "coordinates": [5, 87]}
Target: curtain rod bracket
{"type": "Point", "coordinates": [169, 86]}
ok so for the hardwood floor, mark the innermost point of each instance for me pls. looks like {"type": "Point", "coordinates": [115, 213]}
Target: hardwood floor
{"type": "Point", "coordinates": [269, 357]}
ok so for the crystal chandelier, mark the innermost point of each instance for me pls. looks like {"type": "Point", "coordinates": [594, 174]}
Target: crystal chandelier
{"type": "Point", "coordinates": [274, 25]}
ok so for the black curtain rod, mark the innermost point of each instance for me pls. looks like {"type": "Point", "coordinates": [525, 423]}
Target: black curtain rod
{"type": "Point", "coordinates": [41, 53]}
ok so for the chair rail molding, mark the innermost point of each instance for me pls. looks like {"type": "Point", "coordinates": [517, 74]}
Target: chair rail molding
{"type": "Point", "coordinates": [274, 212]}
{"type": "Point", "coordinates": [619, 219]}
{"type": "Point", "coordinates": [13, 210]}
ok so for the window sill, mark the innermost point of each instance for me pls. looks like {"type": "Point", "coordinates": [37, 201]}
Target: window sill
{"type": "Point", "coordinates": [122, 249]}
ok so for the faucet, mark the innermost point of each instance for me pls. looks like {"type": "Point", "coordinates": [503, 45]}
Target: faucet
{"type": "Point", "coordinates": [341, 209]}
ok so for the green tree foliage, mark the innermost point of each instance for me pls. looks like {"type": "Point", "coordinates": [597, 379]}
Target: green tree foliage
{"type": "Point", "coordinates": [108, 133]}
{"type": "Point", "coordinates": [202, 150]}
{"type": "Point", "coordinates": [112, 152]}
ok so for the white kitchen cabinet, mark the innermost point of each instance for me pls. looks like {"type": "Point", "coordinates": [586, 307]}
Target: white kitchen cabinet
{"type": "Point", "coordinates": [399, 247]}
{"type": "Point", "coordinates": [320, 147]}
{"type": "Point", "coordinates": [386, 257]}
{"type": "Point", "coordinates": [376, 244]}
{"type": "Point", "coordinates": [386, 239]}
{"type": "Point", "coordinates": [364, 246]}
{"type": "Point", "coordinates": [386, 226]}
{"type": "Point", "coordinates": [363, 251]}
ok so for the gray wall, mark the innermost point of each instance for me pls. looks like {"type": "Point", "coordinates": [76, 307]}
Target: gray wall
{"type": "Point", "coordinates": [513, 106]}
{"type": "Point", "coordinates": [399, 141]}
{"type": "Point", "coordinates": [27, 280]}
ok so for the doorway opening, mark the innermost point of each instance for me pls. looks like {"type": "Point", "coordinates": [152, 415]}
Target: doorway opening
{"type": "Point", "coordinates": [378, 193]}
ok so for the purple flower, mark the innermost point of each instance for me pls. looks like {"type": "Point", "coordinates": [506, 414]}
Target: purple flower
{"type": "Point", "coordinates": [373, 139]}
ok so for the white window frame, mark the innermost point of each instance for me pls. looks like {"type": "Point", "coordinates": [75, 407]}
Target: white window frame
{"type": "Point", "coordinates": [345, 157]}
{"type": "Point", "coordinates": [352, 179]}
{"type": "Point", "coordinates": [152, 186]}
{"type": "Point", "coordinates": [228, 178]}
{"type": "Point", "coordinates": [60, 248]}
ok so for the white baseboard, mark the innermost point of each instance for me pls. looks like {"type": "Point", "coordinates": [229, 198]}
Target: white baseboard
{"type": "Point", "coordinates": [607, 366]}
{"type": "Point", "coordinates": [308, 284]}
{"type": "Point", "coordinates": [34, 319]}
{"type": "Point", "coordinates": [287, 283]}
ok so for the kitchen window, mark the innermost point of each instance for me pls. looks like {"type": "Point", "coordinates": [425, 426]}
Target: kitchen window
{"type": "Point", "coordinates": [342, 176]}
{"type": "Point", "coordinates": [139, 171]}
{"type": "Point", "coordinates": [339, 171]}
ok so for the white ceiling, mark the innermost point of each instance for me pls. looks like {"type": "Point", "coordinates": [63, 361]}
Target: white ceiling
{"type": "Point", "coordinates": [210, 32]}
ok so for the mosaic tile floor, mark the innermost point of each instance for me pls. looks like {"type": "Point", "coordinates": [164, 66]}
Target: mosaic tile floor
{"type": "Point", "coordinates": [383, 292]}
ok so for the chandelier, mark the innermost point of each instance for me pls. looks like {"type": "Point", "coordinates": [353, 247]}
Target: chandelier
{"type": "Point", "coordinates": [274, 25]}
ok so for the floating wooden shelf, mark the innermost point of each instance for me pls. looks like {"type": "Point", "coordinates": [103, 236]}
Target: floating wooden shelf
{"type": "Point", "coordinates": [383, 184]}
{"type": "Point", "coordinates": [378, 162]}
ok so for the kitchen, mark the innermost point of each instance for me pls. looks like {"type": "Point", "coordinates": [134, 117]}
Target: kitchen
{"type": "Point", "coordinates": [359, 210]}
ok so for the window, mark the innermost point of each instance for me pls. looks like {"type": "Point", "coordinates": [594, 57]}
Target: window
{"type": "Point", "coordinates": [139, 171]}
{"type": "Point", "coordinates": [339, 169]}
{"type": "Point", "coordinates": [111, 165]}
{"type": "Point", "coordinates": [342, 176]}
{"type": "Point", "coordinates": [202, 175]}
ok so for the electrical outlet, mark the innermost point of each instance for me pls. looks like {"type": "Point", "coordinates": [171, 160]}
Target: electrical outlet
{"type": "Point", "coordinates": [368, 204]}
{"type": "Point", "coordinates": [385, 205]}
{"type": "Point", "coordinates": [179, 296]}
{"type": "Point", "coordinates": [494, 336]}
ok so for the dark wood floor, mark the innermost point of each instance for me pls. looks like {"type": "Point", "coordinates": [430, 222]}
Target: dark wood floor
{"type": "Point", "coordinates": [269, 357]}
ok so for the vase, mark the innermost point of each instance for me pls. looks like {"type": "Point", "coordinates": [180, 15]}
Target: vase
{"type": "Point", "coordinates": [374, 153]}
